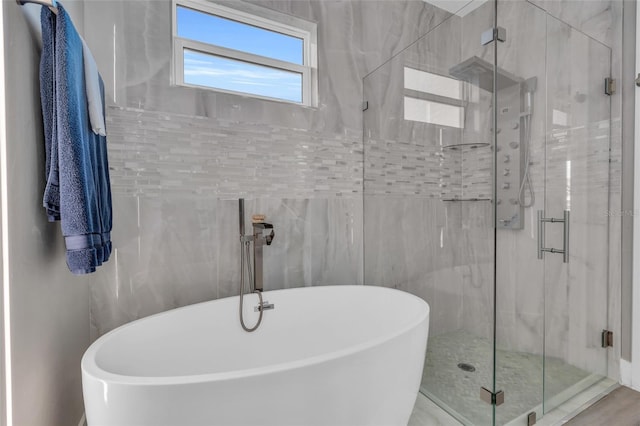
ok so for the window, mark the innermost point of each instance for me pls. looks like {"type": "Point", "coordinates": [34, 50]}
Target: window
{"type": "Point", "coordinates": [249, 51]}
{"type": "Point", "coordinates": [433, 112]}
{"type": "Point", "coordinates": [434, 99]}
{"type": "Point", "coordinates": [427, 82]}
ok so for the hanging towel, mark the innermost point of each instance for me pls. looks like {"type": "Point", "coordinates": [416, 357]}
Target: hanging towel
{"type": "Point", "coordinates": [47, 96]}
{"type": "Point", "coordinates": [76, 156]}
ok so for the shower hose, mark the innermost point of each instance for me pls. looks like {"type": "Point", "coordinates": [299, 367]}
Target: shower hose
{"type": "Point", "coordinates": [245, 257]}
{"type": "Point", "coordinates": [526, 178]}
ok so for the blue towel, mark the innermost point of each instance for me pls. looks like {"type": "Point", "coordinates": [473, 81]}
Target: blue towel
{"type": "Point", "coordinates": [78, 191]}
{"type": "Point", "coordinates": [47, 96]}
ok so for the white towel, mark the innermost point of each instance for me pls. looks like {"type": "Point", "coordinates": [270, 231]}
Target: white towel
{"type": "Point", "coordinates": [94, 98]}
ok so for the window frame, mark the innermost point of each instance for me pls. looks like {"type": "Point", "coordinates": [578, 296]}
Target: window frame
{"type": "Point", "coordinates": [258, 17]}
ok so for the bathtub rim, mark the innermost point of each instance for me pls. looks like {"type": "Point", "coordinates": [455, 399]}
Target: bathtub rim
{"type": "Point", "coordinates": [90, 368]}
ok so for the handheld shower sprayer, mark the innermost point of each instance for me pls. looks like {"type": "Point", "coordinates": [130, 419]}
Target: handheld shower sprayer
{"type": "Point", "coordinates": [263, 234]}
{"type": "Point", "coordinates": [529, 87]}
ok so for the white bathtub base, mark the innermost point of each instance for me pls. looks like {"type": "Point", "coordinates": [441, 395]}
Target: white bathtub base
{"type": "Point", "coordinates": [377, 385]}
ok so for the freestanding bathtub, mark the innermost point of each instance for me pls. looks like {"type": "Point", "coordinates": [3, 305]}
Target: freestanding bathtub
{"type": "Point", "coordinates": [334, 356]}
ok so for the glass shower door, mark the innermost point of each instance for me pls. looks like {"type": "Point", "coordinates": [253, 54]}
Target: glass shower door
{"type": "Point", "coordinates": [428, 223]}
{"type": "Point", "coordinates": [578, 120]}
{"type": "Point", "coordinates": [519, 193]}
{"type": "Point", "coordinates": [551, 192]}
{"type": "Point", "coordinates": [473, 151]}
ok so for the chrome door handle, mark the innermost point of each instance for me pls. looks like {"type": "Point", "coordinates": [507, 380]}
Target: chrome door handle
{"type": "Point", "coordinates": [565, 235]}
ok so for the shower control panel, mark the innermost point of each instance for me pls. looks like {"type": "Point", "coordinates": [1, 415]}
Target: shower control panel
{"type": "Point", "coordinates": [509, 158]}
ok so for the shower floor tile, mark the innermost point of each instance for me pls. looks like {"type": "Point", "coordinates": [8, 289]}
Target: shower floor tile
{"type": "Point", "coordinates": [427, 413]}
{"type": "Point", "coordinates": [519, 375]}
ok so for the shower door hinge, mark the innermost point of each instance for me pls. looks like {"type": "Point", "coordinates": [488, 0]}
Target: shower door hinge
{"type": "Point", "coordinates": [609, 86]}
{"type": "Point", "coordinates": [531, 418]}
{"type": "Point", "coordinates": [365, 105]}
{"type": "Point", "coordinates": [492, 34]}
{"type": "Point", "coordinates": [607, 338]}
{"type": "Point", "coordinates": [492, 398]}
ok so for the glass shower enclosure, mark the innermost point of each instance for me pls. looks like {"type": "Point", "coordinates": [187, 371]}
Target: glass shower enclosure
{"type": "Point", "coordinates": [486, 182]}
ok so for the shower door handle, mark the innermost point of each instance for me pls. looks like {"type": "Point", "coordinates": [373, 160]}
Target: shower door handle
{"type": "Point", "coordinates": [565, 235]}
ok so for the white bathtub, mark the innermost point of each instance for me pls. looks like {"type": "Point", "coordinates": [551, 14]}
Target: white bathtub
{"type": "Point", "coordinates": [341, 355]}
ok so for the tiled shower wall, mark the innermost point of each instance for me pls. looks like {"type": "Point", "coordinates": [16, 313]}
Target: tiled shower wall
{"type": "Point", "coordinates": [416, 238]}
{"type": "Point", "coordinates": [180, 157]}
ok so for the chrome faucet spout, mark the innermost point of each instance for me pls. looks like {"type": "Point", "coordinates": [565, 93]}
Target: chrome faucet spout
{"type": "Point", "coordinates": [263, 230]}
{"type": "Point", "coordinates": [262, 234]}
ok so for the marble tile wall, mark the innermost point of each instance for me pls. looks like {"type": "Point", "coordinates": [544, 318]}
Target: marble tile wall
{"type": "Point", "coordinates": [177, 250]}
{"type": "Point", "coordinates": [180, 157]}
{"type": "Point", "coordinates": [154, 154]}
{"type": "Point", "coordinates": [520, 275]}
{"type": "Point", "coordinates": [133, 44]}
{"type": "Point", "coordinates": [414, 239]}
{"type": "Point", "coordinates": [598, 19]}
{"type": "Point", "coordinates": [439, 251]}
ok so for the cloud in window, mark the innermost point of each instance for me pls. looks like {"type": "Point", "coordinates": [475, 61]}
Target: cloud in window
{"type": "Point", "coordinates": [233, 75]}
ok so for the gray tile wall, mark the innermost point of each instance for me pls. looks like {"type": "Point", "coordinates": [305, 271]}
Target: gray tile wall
{"type": "Point", "coordinates": [414, 239]}
{"type": "Point", "coordinates": [175, 250]}
{"type": "Point", "coordinates": [155, 154]}
{"type": "Point", "coordinates": [180, 157]}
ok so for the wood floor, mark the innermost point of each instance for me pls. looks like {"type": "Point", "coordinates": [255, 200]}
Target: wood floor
{"type": "Point", "coordinates": [620, 408]}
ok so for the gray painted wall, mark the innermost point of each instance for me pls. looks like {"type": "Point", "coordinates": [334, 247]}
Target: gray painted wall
{"type": "Point", "coordinates": [49, 306]}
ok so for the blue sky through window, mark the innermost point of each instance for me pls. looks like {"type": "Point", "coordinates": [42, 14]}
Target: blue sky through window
{"type": "Point", "coordinates": [231, 34]}
{"type": "Point", "coordinates": [222, 73]}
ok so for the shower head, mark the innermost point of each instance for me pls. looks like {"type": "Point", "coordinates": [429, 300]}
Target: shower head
{"type": "Point", "coordinates": [479, 72]}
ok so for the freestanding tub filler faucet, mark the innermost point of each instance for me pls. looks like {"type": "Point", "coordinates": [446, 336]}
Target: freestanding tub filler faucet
{"type": "Point", "coordinates": [262, 234]}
